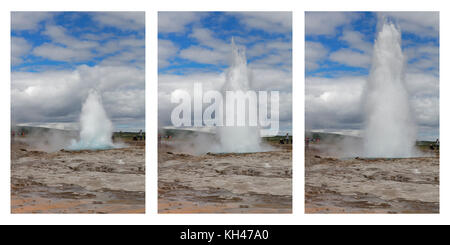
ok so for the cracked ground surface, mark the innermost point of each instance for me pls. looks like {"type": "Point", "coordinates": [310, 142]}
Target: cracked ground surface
{"type": "Point", "coordinates": [383, 185]}
{"type": "Point", "coordinates": [258, 182]}
{"type": "Point", "coordinates": [103, 181]}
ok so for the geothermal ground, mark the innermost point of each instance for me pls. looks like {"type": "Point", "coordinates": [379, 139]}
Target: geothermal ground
{"type": "Point", "coordinates": [225, 183]}
{"type": "Point", "coordinates": [355, 185]}
{"type": "Point", "coordinates": [104, 181]}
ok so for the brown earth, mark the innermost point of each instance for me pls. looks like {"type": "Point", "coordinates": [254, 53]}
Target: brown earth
{"type": "Point", "coordinates": [258, 182]}
{"type": "Point", "coordinates": [102, 181]}
{"type": "Point", "coordinates": [382, 185]}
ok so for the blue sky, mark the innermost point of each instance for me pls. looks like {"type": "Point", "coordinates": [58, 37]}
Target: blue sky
{"type": "Point", "coordinates": [57, 57]}
{"type": "Point", "coordinates": [195, 47]}
{"type": "Point", "coordinates": [338, 52]}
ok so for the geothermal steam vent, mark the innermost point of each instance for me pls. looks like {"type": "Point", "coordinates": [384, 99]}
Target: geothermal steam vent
{"type": "Point", "coordinates": [235, 138]}
{"type": "Point", "coordinates": [96, 128]}
{"type": "Point", "coordinates": [390, 129]}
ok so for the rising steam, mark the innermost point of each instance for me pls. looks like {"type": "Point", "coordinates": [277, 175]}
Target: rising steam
{"type": "Point", "coordinates": [243, 138]}
{"type": "Point", "coordinates": [96, 128]}
{"type": "Point", "coordinates": [390, 129]}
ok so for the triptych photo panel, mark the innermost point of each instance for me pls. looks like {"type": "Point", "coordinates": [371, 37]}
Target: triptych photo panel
{"type": "Point", "coordinates": [225, 108]}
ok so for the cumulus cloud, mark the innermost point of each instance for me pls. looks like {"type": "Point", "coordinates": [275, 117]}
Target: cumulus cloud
{"type": "Point", "coordinates": [205, 37]}
{"type": "Point", "coordinates": [57, 96]}
{"type": "Point", "coordinates": [358, 53]}
{"type": "Point", "coordinates": [204, 55]}
{"type": "Point", "coordinates": [424, 57]}
{"type": "Point", "coordinates": [54, 52]}
{"type": "Point", "coordinates": [419, 23]}
{"type": "Point", "coordinates": [67, 48]}
{"type": "Point", "coordinates": [270, 53]}
{"type": "Point", "coordinates": [263, 80]}
{"type": "Point", "coordinates": [209, 48]}
{"type": "Point", "coordinates": [325, 23]}
{"type": "Point", "coordinates": [334, 104]}
{"type": "Point", "coordinates": [122, 20]}
{"type": "Point", "coordinates": [271, 22]}
{"type": "Point", "coordinates": [19, 48]}
{"type": "Point", "coordinates": [59, 35]}
{"type": "Point", "coordinates": [166, 50]}
{"type": "Point", "coordinates": [355, 40]}
{"type": "Point", "coordinates": [28, 21]}
{"type": "Point", "coordinates": [46, 93]}
{"type": "Point", "coordinates": [169, 22]}
{"type": "Point", "coordinates": [351, 58]}
{"type": "Point", "coordinates": [315, 52]}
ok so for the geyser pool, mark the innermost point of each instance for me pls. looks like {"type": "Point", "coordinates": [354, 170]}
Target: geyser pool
{"type": "Point", "coordinates": [95, 127]}
{"type": "Point", "coordinates": [390, 130]}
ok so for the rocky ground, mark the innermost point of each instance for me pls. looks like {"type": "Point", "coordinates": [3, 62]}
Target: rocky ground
{"type": "Point", "coordinates": [356, 185]}
{"type": "Point", "coordinates": [225, 183]}
{"type": "Point", "coordinates": [105, 181]}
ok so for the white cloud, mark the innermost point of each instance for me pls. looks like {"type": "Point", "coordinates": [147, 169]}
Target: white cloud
{"type": "Point", "coordinates": [262, 80]}
{"type": "Point", "coordinates": [423, 57]}
{"type": "Point", "coordinates": [422, 84]}
{"type": "Point", "coordinates": [166, 50]}
{"type": "Point", "coordinates": [176, 21]}
{"type": "Point", "coordinates": [426, 110]}
{"type": "Point", "coordinates": [59, 35]}
{"type": "Point", "coordinates": [336, 103]}
{"type": "Point", "coordinates": [333, 102]}
{"type": "Point", "coordinates": [23, 21]}
{"type": "Point", "coordinates": [351, 58]}
{"type": "Point", "coordinates": [358, 53]}
{"type": "Point", "coordinates": [325, 23]}
{"type": "Point", "coordinates": [355, 40]}
{"type": "Point", "coordinates": [124, 51]}
{"type": "Point", "coordinates": [315, 52]}
{"type": "Point", "coordinates": [54, 52]}
{"type": "Point", "coordinates": [64, 47]}
{"type": "Point", "coordinates": [205, 38]}
{"type": "Point", "coordinates": [121, 20]}
{"type": "Point", "coordinates": [54, 97]}
{"type": "Point", "coordinates": [418, 23]}
{"type": "Point", "coordinates": [132, 57]}
{"type": "Point", "coordinates": [57, 96]}
{"type": "Point", "coordinates": [271, 60]}
{"type": "Point", "coordinates": [210, 50]}
{"type": "Point", "coordinates": [267, 47]}
{"type": "Point", "coordinates": [19, 48]}
{"type": "Point", "coordinates": [271, 22]}
{"type": "Point", "coordinates": [204, 55]}
{"type": "Point", "coordinates": [116, 45]}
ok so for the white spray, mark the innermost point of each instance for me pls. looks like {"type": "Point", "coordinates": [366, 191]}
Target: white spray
{"type": "Point", "coordinates": [390, 129]}
{"type": "Point", "coordinates": [96, 128]}
{"type": "Point", "coordinates": [238, 138]}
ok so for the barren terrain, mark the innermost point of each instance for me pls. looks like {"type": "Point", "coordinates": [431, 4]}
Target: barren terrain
{"type": "Point", "coordinates": [381, 185]}
{"type": "Point", "coordinates": [225, 183]}
{"type": "Point", "coordinates": [103, 181]}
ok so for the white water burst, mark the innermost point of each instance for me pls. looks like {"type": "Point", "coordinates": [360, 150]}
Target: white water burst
{"type": "Point", "coordinates": [390, 129]}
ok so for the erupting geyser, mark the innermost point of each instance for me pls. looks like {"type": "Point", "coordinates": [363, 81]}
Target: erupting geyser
{"type": "Point", "coordinates": [238, 138]}
{"type": "Point", "coordinates": [390, 129]}
{"type": "Point", "coordinates": [96, 128]}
